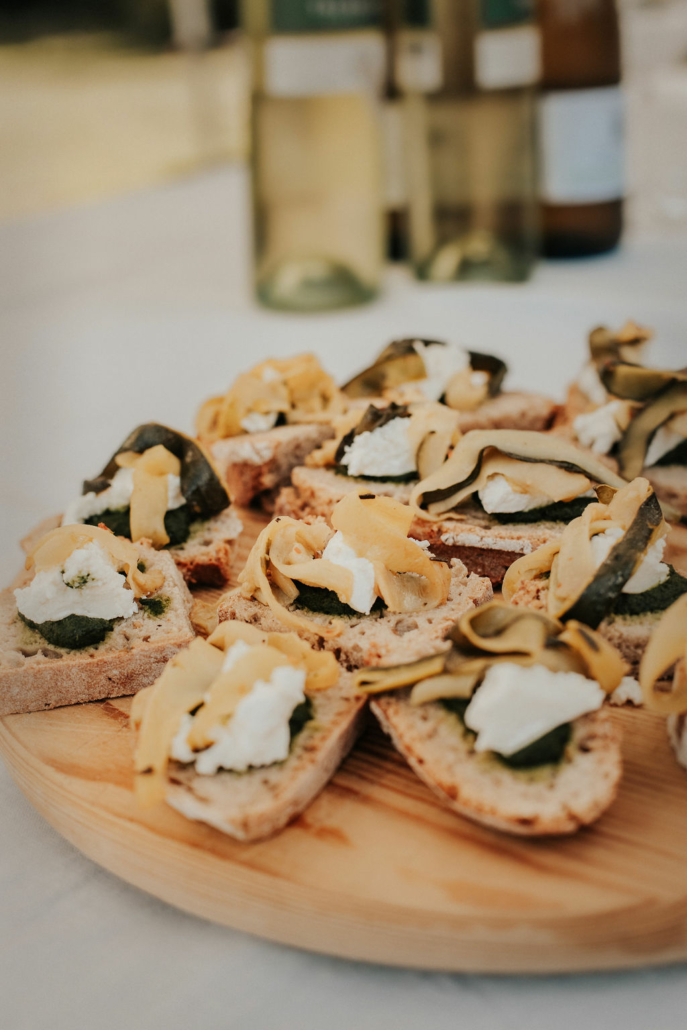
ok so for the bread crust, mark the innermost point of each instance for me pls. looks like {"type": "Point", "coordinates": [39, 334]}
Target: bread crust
{"type": "Point", "coordinates": [368, 640]}
{"type": "Point", "coordinates": [548, 801]}
{"type": "Point", "coordinates": [258, 803]}
{"type": "Point", "coordinates": [258, 463]}
{"type": "Point", "coordinates": [36, 675]}
{"type": "Point", "coordinates": [511, 409]}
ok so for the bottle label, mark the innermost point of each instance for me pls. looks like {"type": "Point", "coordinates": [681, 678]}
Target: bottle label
{"type": "Point", "coordinates": [314, 66]}
{"type": "Point", "coordinates": [508, 57]}
{"type": "Point", "coordinates": [325, 15]}
{"type": "Point", "coordinates": [417, 64]}
{"type": "Point", "coordinates": [581, 146]}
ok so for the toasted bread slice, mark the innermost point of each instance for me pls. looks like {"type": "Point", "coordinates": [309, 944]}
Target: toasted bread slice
{"type": "Point", "coordinates": [35, 674]}
{"type": "Point", "coordinates": [510, 410]}
{"type": "Point", "coordinates": [543, 801]}
{"type": "Point", "coordinates": [375, 639]}
{"type": "Point", "coordinates": [259, 463]}
{"type": "Point", "coordinates": [486, 546]}
{"type": "Point", "coordinates": [628, 633]}
{"type": "Point", "coordinates": [204, 558]}
{"type": "Point", "coordinates": [257, 803]}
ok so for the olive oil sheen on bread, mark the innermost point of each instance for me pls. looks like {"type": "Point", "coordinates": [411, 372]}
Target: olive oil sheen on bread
{"type": "Point", "coordinates": [580, 128]}
{"type": "Point", "coordinates": [318, 73]}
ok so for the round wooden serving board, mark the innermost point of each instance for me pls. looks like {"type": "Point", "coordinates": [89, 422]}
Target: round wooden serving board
{"type": "Point", "coordinates": [376, 869]}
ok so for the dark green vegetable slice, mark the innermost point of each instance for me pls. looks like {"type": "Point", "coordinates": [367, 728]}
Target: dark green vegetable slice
{"type": "Point", "coordinates": [74, 631]}
{"type": "Point", "coordinates": [598, 597]}
{"type": "Point", "coordinates": [655, 600]}
{"type": "Point", "coordinates": [373, 418]}
{"type": "Point", "coordinates": [326, 602]}
{"type": "Point", "coordinates": [177, 523]}
{"type": "Point", "coordinates": [201, 486]}
{"type": "Point", "coordinates": [301, 715]}
{"type": "Point", "coordinates": [637, 437]}
{"type": "Point", "coordinates": [495, 367]}
{"type": "Point", "coordinates": [559, 511]}
{"type": "Point", "coordinates": [547, 750]}
{"type": "Point", "coordinates": [637, 383]}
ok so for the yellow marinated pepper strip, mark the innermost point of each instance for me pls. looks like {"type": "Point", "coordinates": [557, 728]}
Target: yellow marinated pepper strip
{"type": "Point", "coordinates": [667, 645]}
{"type": "Point", "coordinates": [148, 505]}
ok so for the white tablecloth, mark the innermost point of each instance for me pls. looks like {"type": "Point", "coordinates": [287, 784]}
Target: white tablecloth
{"type": "Point", "coordinates": [136, 310]}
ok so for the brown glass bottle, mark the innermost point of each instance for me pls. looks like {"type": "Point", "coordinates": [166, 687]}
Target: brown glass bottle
{"type": "Point", "coordinates": [580, 128]}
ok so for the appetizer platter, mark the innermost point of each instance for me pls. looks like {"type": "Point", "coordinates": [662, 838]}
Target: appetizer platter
{"type": "Point", "coordinates": [395, 671]}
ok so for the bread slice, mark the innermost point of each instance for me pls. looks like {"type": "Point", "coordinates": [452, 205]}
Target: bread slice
{"type": "Point", "coordinates": [258, 803]}
{"type": "Point", "coordinates": [205, 558]}
{"type": "Point", "coordinates": [545, 801]}
{"type": "Point", "coordinates": [375, 640]}
{"type": "Point", "coordinates": [510, 410]}
{"type": "Point", "coordinates": [628, 633]}
{"type": "Point", "coordinates": [35, 674]}
{"type": "Point", "coordinates": [487, 547]}
{"type": "Point", "coordinates": [258, 463]}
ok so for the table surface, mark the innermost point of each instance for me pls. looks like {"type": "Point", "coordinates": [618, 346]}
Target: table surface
{"type": "Point", "coordinates": [137, 309]}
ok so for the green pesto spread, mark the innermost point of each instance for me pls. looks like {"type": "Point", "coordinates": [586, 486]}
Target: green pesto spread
{"type": "Point", "coordinates": [301, 714]}
{"type": "Point", "coordinates": [155, 607]}
{"type": "Point", "coordinates": [74, 631]}
{"type": "Point", "coordinates": [655, 600]}
{"type": "Point", "coordinates": [547, 750]}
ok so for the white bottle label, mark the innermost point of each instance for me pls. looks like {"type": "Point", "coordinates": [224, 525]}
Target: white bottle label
{"type": "Point", "coordinates": [315, 65]}
{"type": "Point", "coordinates": [418, 61]}
{"type": "Point", "coordinates": [581, 146]}
{"type": "Point", "coordinates": [507, 58]}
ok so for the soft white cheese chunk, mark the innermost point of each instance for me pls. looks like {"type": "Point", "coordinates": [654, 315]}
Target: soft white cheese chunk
{"type": "Point", "coordinates": [591, 386]}
{"type": "Point", "coordinates": [663, 440]}
{"type": "Point", "coordinates": [497, 495]}
{"type": "Point", "coordinates": [652, 570]}
{"type": "Point", "coordinates": [441, 362]}
{"type": "Point", "coordinates": [599, 429]}
{"type": "Point", "coordinates": [628, 690]}
{"type": "Point", "coordinates": [257, 422]}
{"type": "Point", "coordinates": [116, 497]}
{"type": "Point", "coordinates": [258, 731]}
{"type": "Point", "coordinates": [386, 451]}
{"type": "Point", "coordinates": [515, 705]}
{"type": "Point", "coordinates": [87, 584]}
{"type": "Point", "coordinates": [340, 553]}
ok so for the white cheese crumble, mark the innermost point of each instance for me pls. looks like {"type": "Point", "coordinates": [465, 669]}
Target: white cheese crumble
{"type": "Point", "coordinates": [627, 691]}
{"type": "Point", "coordinates": [340, 553]}
{"type": "Point", "coordinates": [441, 363]}
{"type": "Point", "coordinates": [591, 386]}
{"type": "Point", "coordinates": [516, 705]}
{"type": "Point", "coordinates": [257, 733]}
{"type": "Point", "coordinates": [386, 451]}
{"type": "Point", "coordinates": [497, 495]}
{"type": "Point", "coordinates": [652, 570]}
{"type": "Point", "coordinates": [116, 497]}
{"type": "Point", "coordinates": [663, 440]}
{"type": "Point", "coordinates": [257, 422]}
{"type": "Point", "coordinates": [88, 584]}
{"type": "Point", "coordinates": [599, 429]}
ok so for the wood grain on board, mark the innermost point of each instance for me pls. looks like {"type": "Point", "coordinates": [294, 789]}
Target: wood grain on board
{"type": "Point", "coordinates": [377, 869]}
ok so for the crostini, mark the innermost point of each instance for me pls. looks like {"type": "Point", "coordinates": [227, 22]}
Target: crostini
{"type": "Point", "coordinates": [360, 587]}
{"type": "Point", "coordinates": [96, 616]}
{"type": "Point", "coordinates": [243, 730]}
{"type": "Point", "coordinates": [666, 652]}
{"type": "Point", "coordinates": [508, 727]}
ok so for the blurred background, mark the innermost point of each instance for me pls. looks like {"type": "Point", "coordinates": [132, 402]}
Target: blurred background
{"type": "Point", "coordinates": [103, 97]}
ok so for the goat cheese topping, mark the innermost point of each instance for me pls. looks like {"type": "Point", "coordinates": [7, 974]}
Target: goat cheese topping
{"type": "Point", "coordinates": [516, 705]}
{"type": "Point", "coordinates": [663, 440]}
{"type": "Point", "coordinates": [441, 362]}
{"type": "Point", "coordinates": [116, 497]}
{"type": "Point", "coordinates": [497, 495]}
{"type": "Point", "coordinates": [628, 690]}
{"type": "Point", "coordinates": [591, 386]}
{"type": "Point", "coordinates": [599, 429]}
{"type": "Point", "coordinates": [386, 451]}
{"type": "Point", "coordinates": [257, 422]}
{"type": "Point", "coordinates": [87, 584]}
{"type": "Point", "coordinates": [340, 553]}
{"type": "Point", "coordinates": [258, 731]}
{"type": "Point", "coordinates": [651, 571]}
